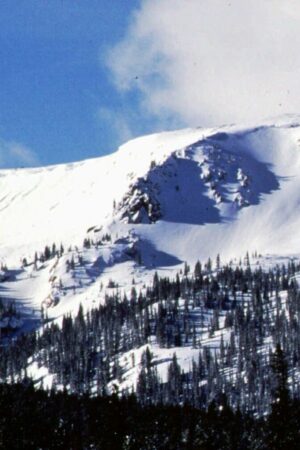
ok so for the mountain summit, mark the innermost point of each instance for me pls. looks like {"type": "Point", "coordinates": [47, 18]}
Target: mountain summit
{"type": "Point", "coordinates": [191, 193]}
{"type": "Point", "coordinates": [107, 245]}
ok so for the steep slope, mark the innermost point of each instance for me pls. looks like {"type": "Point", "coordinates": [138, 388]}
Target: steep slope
{"type": "Point", "coordinates": [83, 233]}
{"type": "Point", "coordinates": [179, 180]}
{"type": "Point", "coordinates": [158, 201]}
{"type": "Point", "coordinates": [204, 177]}
{"type": "Point", "coordinates": [59, 203]}
{"type": "Point", "coordinates": [231, 191]}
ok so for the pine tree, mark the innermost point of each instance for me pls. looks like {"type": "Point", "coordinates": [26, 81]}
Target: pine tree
{"type": "Point", "coordinates": [281, 414]}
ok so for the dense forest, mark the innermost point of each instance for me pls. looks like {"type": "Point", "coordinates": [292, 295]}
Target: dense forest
{"type": "Point", "coordinates": [250, 312]}
{"type": "Point", "coordinates": [36, 419]}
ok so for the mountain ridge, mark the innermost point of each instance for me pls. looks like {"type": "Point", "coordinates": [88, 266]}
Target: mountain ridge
{"type": "Point", "coordinates": [75, 237]}
{"type": "Point", "coordinates": [162, 200]}
{"type": "Point", "coordinates": [59, 203]}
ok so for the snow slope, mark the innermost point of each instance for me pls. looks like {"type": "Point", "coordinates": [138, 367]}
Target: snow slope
{"type": "Point", "coordinates": [59, 203]}
{"type": "Point", "coordinates": [157, 202]}
{"type": "Point", "coordinates": [164, 199]}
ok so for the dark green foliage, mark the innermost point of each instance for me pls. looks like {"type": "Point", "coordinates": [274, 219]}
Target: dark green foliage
{"type": "Point", "coordinates": [36, 419]}
{"type": "Point", "coordinates": [84, 353]}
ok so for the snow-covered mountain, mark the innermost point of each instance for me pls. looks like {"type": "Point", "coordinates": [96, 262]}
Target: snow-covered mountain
{"type": "Point", "coordinates": [72, 233]}
{"type": "Point", "coordinates": [191, 193]}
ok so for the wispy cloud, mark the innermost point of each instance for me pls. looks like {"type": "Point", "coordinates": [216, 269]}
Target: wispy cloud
{"type": "Point", "coordinates": [116, 122]}
{"type": "Point", "coordinates": [14, 154]}
{"type": "Point", "coordinates": [211, 62]}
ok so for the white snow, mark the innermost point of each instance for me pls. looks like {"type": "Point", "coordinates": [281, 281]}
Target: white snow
{"type": "Point", "coordinates": [202, 190]}
{"type": "Point", "coordinates": [222, 191]}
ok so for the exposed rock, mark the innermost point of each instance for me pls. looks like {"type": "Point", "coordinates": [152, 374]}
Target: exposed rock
{"type": "Point", "coordinates": [140, 203]}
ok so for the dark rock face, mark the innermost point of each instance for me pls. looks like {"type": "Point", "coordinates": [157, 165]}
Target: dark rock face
{"type": "Point", "coordinates": [140, 204]}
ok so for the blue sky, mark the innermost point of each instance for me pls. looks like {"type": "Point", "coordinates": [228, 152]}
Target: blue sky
{"type": "Point", "coordinates": [53, 77]}
{"type": "Point", "coordinates": [79, 77]}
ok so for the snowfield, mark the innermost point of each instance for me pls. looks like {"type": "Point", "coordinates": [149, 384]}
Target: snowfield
{"type": "Point", "coordinates": [224, 190]}
{"type": "Point", "coordinates": [173, 197]}
{"type": "Point", "coordinates": [159, 201]}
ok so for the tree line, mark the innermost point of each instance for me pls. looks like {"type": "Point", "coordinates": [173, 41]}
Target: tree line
{"type": "Point", "coordinates": [248, 311]}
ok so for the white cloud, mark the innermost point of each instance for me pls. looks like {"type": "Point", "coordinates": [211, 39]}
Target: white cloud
{"type": "Point", "coordinates": [207, 62]}
{"type": "Point", "coordinates": [15, 154]}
